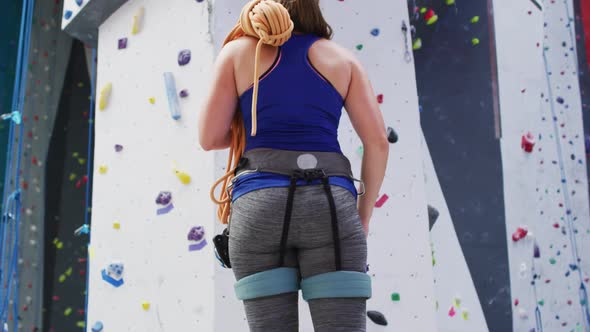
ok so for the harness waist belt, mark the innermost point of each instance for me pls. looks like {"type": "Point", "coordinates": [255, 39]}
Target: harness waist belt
{"type": "Point", "coordinates": [285, 162]}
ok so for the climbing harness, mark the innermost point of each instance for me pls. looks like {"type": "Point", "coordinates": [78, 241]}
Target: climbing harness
{"type": "Point", "coordinates": [310, 167]}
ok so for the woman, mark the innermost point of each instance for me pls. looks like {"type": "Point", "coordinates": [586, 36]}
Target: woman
{"type": "Point", "coordinates": [295, 222]}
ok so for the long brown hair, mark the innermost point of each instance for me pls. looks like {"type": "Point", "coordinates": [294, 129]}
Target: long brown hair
{"type": "Point", "coordinates": [307, 17]}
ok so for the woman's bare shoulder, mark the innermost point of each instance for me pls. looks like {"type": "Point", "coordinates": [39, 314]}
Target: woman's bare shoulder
{"type": "Point", "coordinates": [336, 53]}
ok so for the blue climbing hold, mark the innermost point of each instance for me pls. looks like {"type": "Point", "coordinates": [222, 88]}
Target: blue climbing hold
{"type": "Point", "coordinates": [375, 32]}
{"type": "Point", "coordinates": [79, 3]}
{"type": "Point", "coordinates": [97, 327]}
{"type": "Point", "coordinates": [68, 14]}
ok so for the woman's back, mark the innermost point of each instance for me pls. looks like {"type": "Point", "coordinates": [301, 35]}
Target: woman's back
{"type": "Point", "coordinates": [330, 59]}
{"type": "Point", "coordinates": [298, 106]}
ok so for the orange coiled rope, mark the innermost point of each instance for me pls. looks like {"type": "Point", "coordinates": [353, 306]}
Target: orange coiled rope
{"type": "Point", "coordinates": [269, 21]}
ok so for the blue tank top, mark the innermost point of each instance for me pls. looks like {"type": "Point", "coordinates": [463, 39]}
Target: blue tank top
{"type": "Point", "coordinates": [298, 109]}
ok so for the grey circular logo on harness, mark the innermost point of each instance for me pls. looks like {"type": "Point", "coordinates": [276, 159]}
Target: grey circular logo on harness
{"type": "Point", "coordinates": [307, 161]}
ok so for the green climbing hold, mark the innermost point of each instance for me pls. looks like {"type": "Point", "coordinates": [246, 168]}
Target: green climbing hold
{"type": "Point", "coordinates": [395, 297]}
{"type": "Point", "coordinates": [359, 47]}
{"type": "Point", "coordinates": [475, 19]}
{"type": "Point", "coordinates": [423, 10]}
{"type": "Point", "coordinates": [552, 260]}
{"type": "Point", "coordinates": [475, 41]}
{"type": "Point", "coordinates": [417, 44]}
{"type": "Point", "coordinates": [360, 150]}
{"type": "Point", "coordinates": [541, 302]}
{"type": "Point", "coordinates": [450, 2]}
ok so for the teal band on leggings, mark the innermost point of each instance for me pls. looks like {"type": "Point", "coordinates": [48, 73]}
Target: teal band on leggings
{"type": "Point", "coordinates": [336, 284]}
{"type": "Point", "coordinates": [272, 282]}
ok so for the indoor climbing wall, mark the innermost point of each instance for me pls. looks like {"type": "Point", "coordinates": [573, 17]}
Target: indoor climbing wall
{"type": "Point", "coordinates": [455, 69]}
{"type": "Point", "coordinates": [71, 8]}
{"type": "Point", "coordinates": [151, 262]}
{"type": "Point", "coordinates": [373, 31]}
{"type": "Point", "coordinates": [48, 57]}
{"type": "Point", "coordinates": [457, 304]}
{"type": "Point", "coordinates": [545, 182]}
{"type": "Point", "coordinates": [151, 257]}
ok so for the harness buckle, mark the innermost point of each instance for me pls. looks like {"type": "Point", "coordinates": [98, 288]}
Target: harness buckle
{"type": "Point", "coordinates": [308, 174]}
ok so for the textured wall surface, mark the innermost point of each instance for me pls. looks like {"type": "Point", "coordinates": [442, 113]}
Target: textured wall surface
{"type": "Point", "coordinates": [545, 190]}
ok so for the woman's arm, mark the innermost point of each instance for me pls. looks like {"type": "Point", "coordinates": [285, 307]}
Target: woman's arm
{"type": "Point", "coordinates": [220, 103]}
{"type": "Point", "coordinates": [365, 115]}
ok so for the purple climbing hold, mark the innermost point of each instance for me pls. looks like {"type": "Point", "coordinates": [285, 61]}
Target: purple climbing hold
{"type": "Point", "coordinates": [183, 93]}
{"type": "Point", "coordinates": [377, 317]}
{"type": "Point", "coordinates": [197, 237]}
{"type": "Point", "coordinates": [118, 147]}
{"type": "Point", "coordinates": [184, 57]}
{"type": "Point", "coordinates": [536, 251]}
{"type": "Point", "coordinates": [196, 233]}
{"type": "Point", "coordinates": [164, 198]}
{"type": "Point", "coordinates": [560, 100]}
{"type": "Point", "coordinates": [68, 14]}
{"type": "Point", "coordinates": [122, 43]}
{"type": "Point", "coordinates": [587, 143]}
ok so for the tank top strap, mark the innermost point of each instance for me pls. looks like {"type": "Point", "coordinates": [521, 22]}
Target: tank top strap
{"type": "Point", "coordinates": [295, 49]}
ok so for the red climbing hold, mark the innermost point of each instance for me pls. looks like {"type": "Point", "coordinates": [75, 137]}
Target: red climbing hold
{"type": "Point", "coordinates": [519, 234]}
{"type": "Point", "coordinates": [381, 201]}
{"type": "Point", "coordinates": [380, 99]}
{"type": "Point", "coordinates": [528, 142]}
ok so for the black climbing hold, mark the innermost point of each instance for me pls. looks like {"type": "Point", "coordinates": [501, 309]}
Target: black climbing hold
{"type": "Point", "coordinates": [432, 216]}
{"type": "Point", "coordinates": [560, 100]}
{"type": "Point", "coordinates": [391, 135]}
{"type": "Point", "coordinates": [377, 317]}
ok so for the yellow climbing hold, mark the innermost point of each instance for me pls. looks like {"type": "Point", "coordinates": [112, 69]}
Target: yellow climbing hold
{"type": "Point", "coordinates": [69, 271]}
{"type": "Point", "coordinates": [58, 244]}
{"type": "Point", "coordinates": [475, 41]}
{"type": "Point", "coordinates": [72, 176]}
{"type": "Point", "coordinates": [475, 19]}
{"type": "Point", "coordinates": [90, 252]}
{"type": "Point", "coordinates": [81, 161]}
{"type": "Point", "coordinates": [103, 169]}
{"type": "Point", "coordinates": [81, 324]}
{"type": "Point", "coordinates": [450, 2]}
{"type": "Point", "coordinates": [68, 311]}
{"type": "Point", "coordinates": [105, 95]}
{"type": "Point", "coordinates": [182, 176]}
{"type": "Point", "coordinates": [423, 10]}
{"type": "Point", "coordinates": [145, 306]}
{"type": "Point", "coordinates": [62, 278]}
{"type": "Point", "coordinates": [116, 225]}
{"type": "Point", "coordinates": [465, 314]}
{"type": "Point", "coordinates": [457, 302]}
{"type": "Point", "coordinates": [152, 100]}
{"type": "Point", "coordinates": [137, 21]}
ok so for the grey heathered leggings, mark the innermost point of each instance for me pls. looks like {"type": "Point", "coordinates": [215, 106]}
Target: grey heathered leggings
{"type": "Point", "coordinates": [255, 233]}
